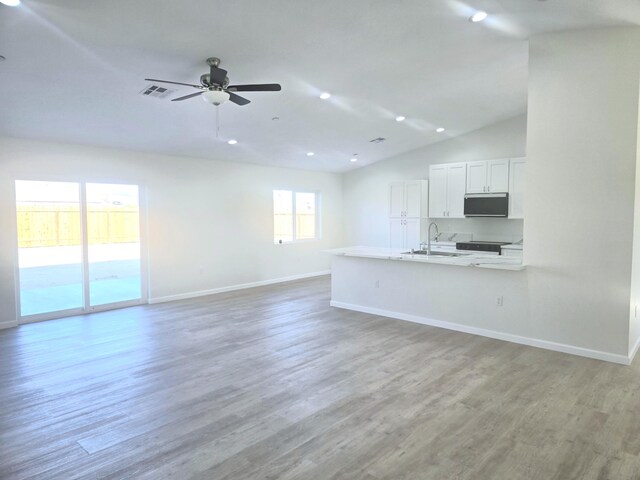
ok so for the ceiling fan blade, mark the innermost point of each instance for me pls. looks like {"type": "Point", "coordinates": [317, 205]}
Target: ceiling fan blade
{"type": "Point", "coordinates": [261, 87]}
{"type": "Point", "coordinates": [218, 76]}
{"type": "Point", "coordinates": [237, 99]}
{"type": "Point", "coordinates": [174, 83]}
{"type": "Point", "coordinates": [179, 99]}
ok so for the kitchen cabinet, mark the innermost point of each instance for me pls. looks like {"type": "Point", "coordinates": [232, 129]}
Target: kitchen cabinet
{"type": "Point", "coordinates": [408, 205]}
{"type": "Point", "coordinates": [517, 172]}
{"type": "Point", "coordinates": [409, 199]}
{"type": "Point", "coordinates": [405, 233]}
{"type": "Point", "coordinates": [491, 176]}
{"type": "Point", "coordinates": [447, 186]}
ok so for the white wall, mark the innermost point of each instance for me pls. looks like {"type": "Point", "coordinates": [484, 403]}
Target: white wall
{"type": "Point", "coordinates": [581, 183]}
{"type": "Point", "coordinates": [210, 223]}
{"type": "Point", "coordinates": [366, 197]}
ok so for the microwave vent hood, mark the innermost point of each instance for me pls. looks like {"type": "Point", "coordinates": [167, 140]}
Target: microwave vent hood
{"type": "Point", "coordinates": [486, 205]}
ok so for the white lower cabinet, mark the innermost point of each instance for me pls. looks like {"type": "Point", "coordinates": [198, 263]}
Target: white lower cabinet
{"type": "Point", "coordinates": [404, 233]}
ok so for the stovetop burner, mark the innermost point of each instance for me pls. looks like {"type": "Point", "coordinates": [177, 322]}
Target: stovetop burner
{"type": "Point", "coordinates": [481, 246]}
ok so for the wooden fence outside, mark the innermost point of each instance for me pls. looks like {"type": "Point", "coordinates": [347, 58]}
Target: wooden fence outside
{"type": "Point", "coordinates": [305, 226]}
{"type": "Point", "coordinates": [57, 225]}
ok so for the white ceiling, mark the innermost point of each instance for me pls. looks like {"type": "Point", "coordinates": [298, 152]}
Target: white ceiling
{"type": "Point", "coordinates": [75, 68]}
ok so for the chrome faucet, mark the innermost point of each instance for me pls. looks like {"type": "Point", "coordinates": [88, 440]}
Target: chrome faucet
{"type": "Point", "coordinates": [434, 224]}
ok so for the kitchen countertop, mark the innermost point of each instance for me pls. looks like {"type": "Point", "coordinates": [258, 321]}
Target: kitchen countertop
{"type": "Point", "coordinates": [466, 259]}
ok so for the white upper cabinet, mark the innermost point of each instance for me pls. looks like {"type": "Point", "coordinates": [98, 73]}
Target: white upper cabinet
{"type": "Point", "coordinates": [438, 191]}
{"type": "Point", "coordinates": [413, 198]}
{"type": "Point", "coordinates": [408, 199]}
{"type": "Point", "coordinates": [516, 187]}
{"type": "Point", "coordinates": [455, 190]}
{"type": "Point", "coordinates": [498, 176]}
{"type": "Point", "coordinates": [396, 199]}
{"type": "Point", "coordinates": [447, 185]}
{"type": "Point", "coordinates": [476, 177]}
{"type": "Point", "coordinates": [490, 176]}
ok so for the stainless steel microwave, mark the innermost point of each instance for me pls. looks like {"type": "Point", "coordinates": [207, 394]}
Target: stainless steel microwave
{"type": "Point", "coordinates": [486, 205]}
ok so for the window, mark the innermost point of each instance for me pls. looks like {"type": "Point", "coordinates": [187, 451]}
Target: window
{"type": "Point", "coordinates": [294, 216]}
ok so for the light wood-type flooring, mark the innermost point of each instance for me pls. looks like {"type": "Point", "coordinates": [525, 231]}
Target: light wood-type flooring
{"type": "Point", "coordinates": [272, 383]}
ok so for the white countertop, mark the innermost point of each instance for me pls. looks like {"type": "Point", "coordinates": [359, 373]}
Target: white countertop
{"type": "Point", "coordinates": [466, 259]}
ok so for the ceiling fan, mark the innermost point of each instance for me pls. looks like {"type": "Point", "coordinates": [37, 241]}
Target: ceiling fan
{"type": "Point", "coordinates": [215, 89]}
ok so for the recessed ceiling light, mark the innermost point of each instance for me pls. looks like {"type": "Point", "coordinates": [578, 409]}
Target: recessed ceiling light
{"type": "Point", "coordinates": [400, 118]}
{"type": "Point", "coordinates": [310, 154]}
{"type": "Point", "coordinates": [440, 129]}
{"type": "Point", "coordinates": [478, 16]}
{"type": "Point", "coordinates": [232, 142]}
{"type": "Point", "coordinates": [325, 96]}
{"type": "Point", "coordinates": [353, 159]}
{"type": "Point", "coordinates": [11, 3]}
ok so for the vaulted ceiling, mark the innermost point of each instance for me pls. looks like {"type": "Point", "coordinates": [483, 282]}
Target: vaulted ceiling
{"type": "Point", "coordinates": [74, 71]}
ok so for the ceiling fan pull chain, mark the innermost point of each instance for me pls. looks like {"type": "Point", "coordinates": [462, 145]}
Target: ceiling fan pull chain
{"type": "Point", "coordinates": [217, 122]}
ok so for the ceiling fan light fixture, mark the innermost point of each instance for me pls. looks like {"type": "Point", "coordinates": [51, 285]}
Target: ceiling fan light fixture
{"type": "Point", "coordinates": [215, 97]}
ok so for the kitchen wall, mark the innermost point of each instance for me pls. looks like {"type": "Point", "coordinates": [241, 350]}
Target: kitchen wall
{"type": "Point", "coordinates": [582, 149]}
{"type": "Point", "coordinates": [210, 223]}
{"type": "Point", "coordinates": [366, 190]}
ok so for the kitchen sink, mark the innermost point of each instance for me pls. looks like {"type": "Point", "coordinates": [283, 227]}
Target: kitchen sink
{"type": "Point", "coordinates": [433, 254]}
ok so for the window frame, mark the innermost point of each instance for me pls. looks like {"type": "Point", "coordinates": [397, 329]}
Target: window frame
{"type": "Point", "coordinates": [294, 239]}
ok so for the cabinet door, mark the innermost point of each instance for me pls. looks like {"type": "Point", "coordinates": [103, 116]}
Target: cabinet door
{"type": "Point", "coordinates": [498, 176]}
{"type": "Point", "coordinates": [438, 191]}
{"type": "Point", "coordinates": [476, 177]}
{"type": "Point", "coordinates": [516, 188]}
{"type": "Point", "coordinates": [456, 186]}
{"type": "Point", "coordinates": [413, 198]}
{"type": "Point", "coordinates": [396, 233]}
{"type": "Point", "coordinates": [412, 233]}
{"type": "Point", "coordinates": [396, 199]}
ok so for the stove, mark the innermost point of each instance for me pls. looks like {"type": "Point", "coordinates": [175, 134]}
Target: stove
{"type": "Point", "coordinates": [481, 246]}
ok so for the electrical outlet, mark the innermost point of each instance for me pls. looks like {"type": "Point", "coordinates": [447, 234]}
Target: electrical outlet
{"type": "Point", "coordinates": [500, 301]}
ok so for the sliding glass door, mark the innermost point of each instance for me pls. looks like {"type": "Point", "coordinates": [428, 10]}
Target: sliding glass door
{"type": "Point", "coordinates": [49, 247]}
{"type": "Point", "coordinates": [113, 228]}
{"type": "Point", "coordinates": [79, 247]}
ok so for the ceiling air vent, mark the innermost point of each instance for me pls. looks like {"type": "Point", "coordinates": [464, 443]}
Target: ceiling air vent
{"type": "Point", "coordinates": [156, 91]}
{"type": "Point", "coordinates": [377, 140]}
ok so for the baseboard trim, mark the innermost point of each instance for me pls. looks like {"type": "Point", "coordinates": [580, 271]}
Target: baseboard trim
{"type": "Point", "coordinates": [8, 324]}
{"type": "Point", "coordinates": [231, 288]}
{"type": "Point", "coordinates": [508, 337]}
{"type": "Point", "coordinates": [634, 350]}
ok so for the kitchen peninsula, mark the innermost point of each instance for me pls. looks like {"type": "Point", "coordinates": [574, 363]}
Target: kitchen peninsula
{"type": "Point", "coordinates": [479, 293]}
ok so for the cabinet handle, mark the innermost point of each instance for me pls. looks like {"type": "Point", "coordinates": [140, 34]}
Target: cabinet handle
{"type": "Point", "coordinates": [488, 189]}
{"type": "Point", "coordinates": [484, 189]}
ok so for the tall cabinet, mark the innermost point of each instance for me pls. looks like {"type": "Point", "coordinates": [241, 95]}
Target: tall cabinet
{"type": "Point", "coordinates": [408, 206]}
{"type": "Point", "coordinates": [447, 184]}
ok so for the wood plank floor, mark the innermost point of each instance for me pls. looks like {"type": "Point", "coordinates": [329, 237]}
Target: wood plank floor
{"type": "Point", "coordinates": [272, 383]}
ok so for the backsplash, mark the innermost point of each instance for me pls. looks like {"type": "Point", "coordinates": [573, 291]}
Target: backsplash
{"type": "Point", "coordinates": [488, 229]}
